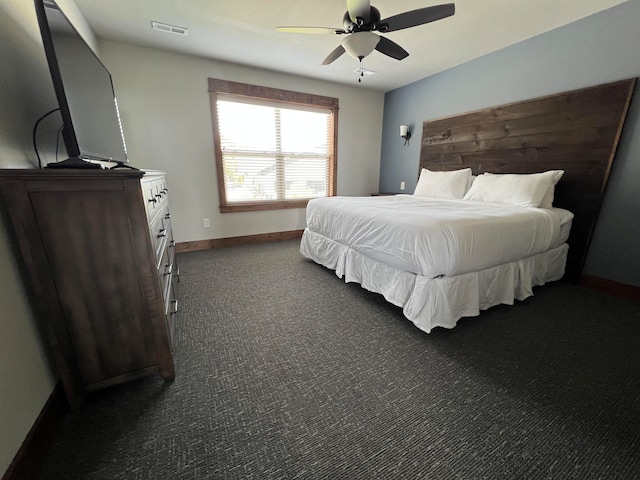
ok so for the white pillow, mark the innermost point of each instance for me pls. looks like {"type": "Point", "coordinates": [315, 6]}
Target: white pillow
{"type": "Point", "coordinates": [547, 200]}
{"type": "Point", "coordinates": [470, 182]}
{"type": "Point", "coordinates": [443, 184]}
{"type": "Point", "coordinates": [527, 190]}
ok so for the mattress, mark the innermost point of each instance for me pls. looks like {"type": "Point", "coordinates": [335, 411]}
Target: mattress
{"type": "Point", "coordinates": [434, 237]}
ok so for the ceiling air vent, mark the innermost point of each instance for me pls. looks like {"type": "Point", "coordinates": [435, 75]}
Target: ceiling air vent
{"type": "Point", "coordinates": [163, 27]}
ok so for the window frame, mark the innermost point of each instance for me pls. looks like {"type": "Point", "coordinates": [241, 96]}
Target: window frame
{"type": "Point", "coordinates": [285, 98]}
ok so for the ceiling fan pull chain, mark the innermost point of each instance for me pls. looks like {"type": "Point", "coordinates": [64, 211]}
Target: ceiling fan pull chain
{"type": "Point", "coordinates": [361, 71]}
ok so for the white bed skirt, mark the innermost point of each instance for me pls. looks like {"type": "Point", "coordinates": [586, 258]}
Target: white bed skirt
{"type": "Point", "coordinates": [440, 301]}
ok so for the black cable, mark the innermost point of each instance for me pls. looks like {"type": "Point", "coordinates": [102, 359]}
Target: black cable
{"type": "Point", "coordinates": [35, 129]}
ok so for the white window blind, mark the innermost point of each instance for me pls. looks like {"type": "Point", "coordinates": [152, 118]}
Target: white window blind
{"type": "Point", "coordinates": [272, 152]}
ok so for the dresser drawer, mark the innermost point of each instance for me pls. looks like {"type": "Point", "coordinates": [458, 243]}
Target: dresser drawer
{"type": "Point", "coordinates": [160, 230]}
{"type": "Point", "coordinates": [165, 268]}
{"type": "Point", "coordinates": [155, 193]}
{"type": "Point", "coordinates": [171, 304]}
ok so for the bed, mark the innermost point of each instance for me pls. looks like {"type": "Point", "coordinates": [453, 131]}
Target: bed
{"type": "Point", "coordinates": [439, 259]}
{"type": "Point", "coordinates": [506, 200]}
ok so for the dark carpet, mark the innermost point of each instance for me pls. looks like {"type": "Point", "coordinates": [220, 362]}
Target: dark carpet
{"type": "Point", "coordinates": [286, 372]}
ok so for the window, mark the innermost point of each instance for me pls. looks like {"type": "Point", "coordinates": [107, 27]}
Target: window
{"type": "Point", "coordinates": [274, 148]}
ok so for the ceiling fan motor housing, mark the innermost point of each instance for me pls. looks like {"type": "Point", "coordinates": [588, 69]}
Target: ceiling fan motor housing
{"type": "Point", "coordinates": [361, 26]}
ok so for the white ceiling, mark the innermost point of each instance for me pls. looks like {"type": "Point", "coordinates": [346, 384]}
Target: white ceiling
{"type": "Point", "coordinates": [243, 31]}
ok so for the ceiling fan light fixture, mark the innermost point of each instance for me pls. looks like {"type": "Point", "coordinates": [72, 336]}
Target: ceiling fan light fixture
{"type": "Point", "coordinates": [360, 44]}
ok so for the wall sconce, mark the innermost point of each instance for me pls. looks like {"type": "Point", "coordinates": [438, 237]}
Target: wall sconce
{"type": "Point", "coordinates": [405, 133]}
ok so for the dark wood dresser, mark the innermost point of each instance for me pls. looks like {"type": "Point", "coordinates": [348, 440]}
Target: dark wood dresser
{"type": "Point", "coordinates": [99, 253]}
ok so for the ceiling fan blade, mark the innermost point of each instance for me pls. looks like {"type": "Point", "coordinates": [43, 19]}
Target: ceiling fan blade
{"type": "Point", "coordinates": [334, 55]}
{"type": "Point", "coordinates": [391, 49]}
{"type": "Point", "coordinates": [417, 17]}
{"type": "Point", "coordinates": [333, 31]}
{"type": "Point", "coordinates": [359, 9]}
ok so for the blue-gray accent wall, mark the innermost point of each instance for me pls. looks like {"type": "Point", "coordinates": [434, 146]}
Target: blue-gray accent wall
{"type": "Point", "coordinates": [598, 49]}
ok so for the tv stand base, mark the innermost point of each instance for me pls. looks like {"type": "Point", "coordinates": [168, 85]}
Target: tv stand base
{"type": "Point", "coordinates": [73, 162]}
{"type": "Point", "coordinates": [123, 165]}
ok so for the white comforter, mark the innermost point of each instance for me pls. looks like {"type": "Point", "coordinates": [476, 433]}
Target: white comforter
{"type": "Point", "coordinates": [434, 237]}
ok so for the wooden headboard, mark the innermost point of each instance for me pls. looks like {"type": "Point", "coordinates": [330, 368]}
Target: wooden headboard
{"type": "Point", "coordinates": [576, 131]}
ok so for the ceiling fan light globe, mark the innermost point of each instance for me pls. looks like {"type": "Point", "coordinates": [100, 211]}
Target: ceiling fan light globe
{"type": "Point", "coordinates": [360, 44]}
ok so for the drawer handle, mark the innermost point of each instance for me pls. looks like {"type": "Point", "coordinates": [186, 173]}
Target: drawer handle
{"type": "Point", "coordinates": [167, 216]}
{"type": "Point", "coordinates": [158, 195]}
{"type": "Point", "coordinates": [153, 200]}
{"type": "Point", "coordinates": [175, 307]}
{"type": "Point", "coordinates": [162, 233]}
{"type": "Point", "coordinates": [172, 244]}
{"type": "Point", "coordinates": [168, 269]}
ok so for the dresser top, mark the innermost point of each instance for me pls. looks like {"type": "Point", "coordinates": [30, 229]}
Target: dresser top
{"type": "Point", "coordinates": [73, 174]}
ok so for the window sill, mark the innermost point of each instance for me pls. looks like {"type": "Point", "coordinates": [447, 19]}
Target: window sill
{"type": "Point", "coordinates": [258, 206]}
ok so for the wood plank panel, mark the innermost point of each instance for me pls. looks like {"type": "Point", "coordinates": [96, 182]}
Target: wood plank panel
{"type": "Point", "coordinates": [594, 137]}
{"type": "Point", "coordinates": [576, 131]}
{"type": "Point", "coordinates": [588, 99]}
{"type": "Point", "coordinates": [545, 158]}
{"type": "Point", "coordinates": [558, 123]}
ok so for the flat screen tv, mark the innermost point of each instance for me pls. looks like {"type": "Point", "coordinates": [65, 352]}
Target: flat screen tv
{"type": "Point", "coordinates": [84, 89]}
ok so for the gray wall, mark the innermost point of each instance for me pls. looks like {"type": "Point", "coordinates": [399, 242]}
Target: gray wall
{"type": "Point", "coordinates": [26, 381]}
{"type": "Point", "coordinates": [599, 49]}
{"type": "Point", "coordinates": [26, 93]}
{"type": "Point", "coordinates": [166, 117]}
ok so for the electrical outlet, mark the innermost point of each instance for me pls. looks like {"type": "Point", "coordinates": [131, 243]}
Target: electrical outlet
{"type": "Point", "coordinates": [206, 223]}
{"type": "Point", "coordinates": [401, 185]}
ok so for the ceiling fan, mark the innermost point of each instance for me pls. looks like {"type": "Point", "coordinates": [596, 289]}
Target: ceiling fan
{"type": "Point", "coordinates": [362, 19]}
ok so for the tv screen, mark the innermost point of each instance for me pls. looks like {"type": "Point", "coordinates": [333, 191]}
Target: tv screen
{"type": "Point", "coordinates": [84, 89]}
